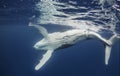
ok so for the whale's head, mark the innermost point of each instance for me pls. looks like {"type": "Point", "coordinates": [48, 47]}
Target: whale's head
{"type": "Point", "coordinates": [41, 45]}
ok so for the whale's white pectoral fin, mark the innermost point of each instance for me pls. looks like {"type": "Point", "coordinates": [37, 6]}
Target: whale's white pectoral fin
{"type": "Point", "coordinates": [41, 29]}
{"type": "Point", "coordinates": [45, 58]}
{"type": "Point", "coordinates": [107, 54]}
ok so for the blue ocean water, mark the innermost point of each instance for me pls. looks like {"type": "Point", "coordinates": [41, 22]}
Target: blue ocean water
{"type": "Point", "coordinates": [18, 57]}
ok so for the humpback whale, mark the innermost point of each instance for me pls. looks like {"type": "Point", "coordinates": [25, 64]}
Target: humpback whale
{"type": "Point", "coordinates": [56, 40]}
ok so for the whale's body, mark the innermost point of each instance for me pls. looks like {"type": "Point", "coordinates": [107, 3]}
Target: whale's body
{"type": "Point", "coordinates": [71, 37]}
{"type": "Point", "coordinates": [58, 40]}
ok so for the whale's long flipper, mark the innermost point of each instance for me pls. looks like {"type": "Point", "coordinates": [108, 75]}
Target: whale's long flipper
{"type": "Point", "coordinates": [41, 29]}
{"type": "Point", "coordinates": [45, 58]}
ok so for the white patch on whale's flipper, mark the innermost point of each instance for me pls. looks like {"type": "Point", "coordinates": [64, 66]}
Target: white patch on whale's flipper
{"type": "Point", "coordinates": [41, 29]}
{"type": "Point", "coordinates": [45, 58]}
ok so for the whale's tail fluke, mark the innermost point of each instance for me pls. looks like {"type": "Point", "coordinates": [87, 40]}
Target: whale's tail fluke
{"type": "Point", "coordinates": [108, 48]}
{"type": "Point", "coordinates": [107, 53]}
{"type": "Point", "coordinates": [45, 58]}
